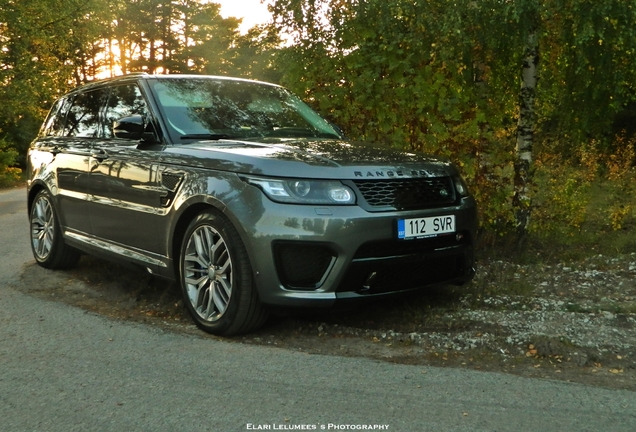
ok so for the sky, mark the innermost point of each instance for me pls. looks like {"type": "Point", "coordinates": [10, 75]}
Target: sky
{"type": "Point", "coordinates": [252, 12]}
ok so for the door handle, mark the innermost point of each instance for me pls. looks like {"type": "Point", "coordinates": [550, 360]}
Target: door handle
{"type": "Point", "coordinates": [100, 155]}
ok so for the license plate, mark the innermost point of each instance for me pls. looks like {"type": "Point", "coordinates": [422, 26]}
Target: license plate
{"type": "Point", "coordinates": [426, 227]}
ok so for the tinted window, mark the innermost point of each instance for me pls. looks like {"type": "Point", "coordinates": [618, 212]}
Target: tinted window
{"type": "Point", "coordinates": [54, 124]}
{"type": "Point", "coordinates": [83, 119]}
{"type": "Point", "coordinates": [124, 101]}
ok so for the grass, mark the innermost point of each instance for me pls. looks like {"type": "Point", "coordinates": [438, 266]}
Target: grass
{"type": "Point", "coordinates": [10, 182]}
{"type": "Point", "coordinates": [579, 212]}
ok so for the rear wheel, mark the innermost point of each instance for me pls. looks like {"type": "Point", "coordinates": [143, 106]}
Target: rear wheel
{"type": "Point", "coordinates": [47, 242]}
{"type": "Point", "coordinates": [216, 277]}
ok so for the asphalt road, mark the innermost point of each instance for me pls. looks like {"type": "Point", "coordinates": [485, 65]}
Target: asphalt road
{"type": "Point", "coordinates": [63, 369]}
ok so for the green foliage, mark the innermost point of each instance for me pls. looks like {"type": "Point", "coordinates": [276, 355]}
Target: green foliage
{"type": "Point", "coordinates": [594, 72]}
{"type": "Point", "coordinates": [254, 54]}
{"type": "Point", "coordinates": [9, 174]}
{"type": "Point", "coordinates": [178, 36]}
{"type": "Point", "coordinates": [404, 74]}
{"type": "Point", "coordinates": [588, 199]}
{"type": "Point", "coordinates": [44, 50]}
{"type": "Point", "coordinates": [561, 198]}
{"type": "Point", "coordinates": [444, 77]}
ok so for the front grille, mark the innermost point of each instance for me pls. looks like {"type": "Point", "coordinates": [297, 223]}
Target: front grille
{"type": "Point", "coordinates": [301, 265]}
{"type": "Point", "coordinates": [407, 194]}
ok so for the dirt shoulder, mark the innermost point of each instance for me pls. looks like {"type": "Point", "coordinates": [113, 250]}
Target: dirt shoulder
{"type": "Point", "coordinates": [574, 322]}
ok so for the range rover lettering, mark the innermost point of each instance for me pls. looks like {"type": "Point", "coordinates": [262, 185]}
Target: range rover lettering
{"type": "Point", "coordinates": [244, 195]}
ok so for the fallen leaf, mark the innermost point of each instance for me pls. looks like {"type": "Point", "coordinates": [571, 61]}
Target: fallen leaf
{"type": "Point", "coordinates": [616, 371]}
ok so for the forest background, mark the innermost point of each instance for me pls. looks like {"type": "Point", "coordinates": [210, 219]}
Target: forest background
{"type": "Point", "coordinates": [535, 100]}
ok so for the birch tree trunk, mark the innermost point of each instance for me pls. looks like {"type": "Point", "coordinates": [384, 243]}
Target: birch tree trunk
{"type": "Point", "coordinates": [522, 200]}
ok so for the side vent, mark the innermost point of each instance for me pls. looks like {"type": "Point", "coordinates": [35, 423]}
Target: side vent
{"type": "Point", "coordinates": [170, 182]}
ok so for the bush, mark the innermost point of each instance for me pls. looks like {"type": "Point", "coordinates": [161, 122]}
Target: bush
{"type": "Point", "coordinates": [9, 174]}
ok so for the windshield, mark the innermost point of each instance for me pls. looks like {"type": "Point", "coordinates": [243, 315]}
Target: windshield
{"type": "Point", "coordinates": [200, 108]}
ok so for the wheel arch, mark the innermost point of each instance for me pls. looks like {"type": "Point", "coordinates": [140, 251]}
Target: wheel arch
{"type": "Point", "coordinates": [180, 228]}
{"type": "Point", "coordinates": [187, 214]}
{"type": "Point", "coordinates": [33, 191]}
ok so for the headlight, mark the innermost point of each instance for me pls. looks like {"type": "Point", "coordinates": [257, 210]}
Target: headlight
{"type": "Point", "coordinates": [304, 191]}
{"type": "Point", "coordinates": [460, 186]}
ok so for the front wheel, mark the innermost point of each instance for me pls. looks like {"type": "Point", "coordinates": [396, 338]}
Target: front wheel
{"type": "Point", "coordinates": [47, 243]}
{"type": "Point", "coordinates": [216, 278]}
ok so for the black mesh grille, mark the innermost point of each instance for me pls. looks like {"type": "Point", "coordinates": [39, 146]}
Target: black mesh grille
{"type": "Point", "coordinates": [170, 181]}
{"type": "Point", "coordinates": [407, 194]}
{"type": "Point", "coordinates": [384, 276]}
{"type": "Point", "coordinates": [302, 266]}
{"type": "Point", "coordinates": [396, 265]}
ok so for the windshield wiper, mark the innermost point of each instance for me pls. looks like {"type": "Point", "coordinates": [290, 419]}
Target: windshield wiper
{"type": "Point", "coordinates": [206, 136]}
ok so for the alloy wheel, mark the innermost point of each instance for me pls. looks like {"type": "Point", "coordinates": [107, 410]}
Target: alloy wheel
{"type": "Point", "coordinates": [208, 273]}
{"type": "Point", "coordinates": [42, 227]}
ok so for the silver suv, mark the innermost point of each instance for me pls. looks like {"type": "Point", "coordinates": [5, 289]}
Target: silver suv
{"type": "Point", "coordinates": [242, 193]}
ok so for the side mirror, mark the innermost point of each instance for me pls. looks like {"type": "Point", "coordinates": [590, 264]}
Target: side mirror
{"type": "Point", "coordinates": [132, 128]}
{"type": "Point", "coordinates": [129, 127]}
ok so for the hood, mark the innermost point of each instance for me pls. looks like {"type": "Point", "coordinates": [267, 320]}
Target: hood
{"type": "Point", "coordinates": [308, 158]}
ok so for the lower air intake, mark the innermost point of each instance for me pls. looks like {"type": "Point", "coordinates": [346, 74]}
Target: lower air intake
{"type": "Point", "coordinates": [302, 266]}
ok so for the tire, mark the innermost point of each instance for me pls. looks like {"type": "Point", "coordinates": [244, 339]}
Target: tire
{"type": "Point", "coordinates": [47, 242]}
{"type": "Point", "coordinates": [216, 278]}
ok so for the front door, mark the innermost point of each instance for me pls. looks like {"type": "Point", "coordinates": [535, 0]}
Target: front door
{"type": "Point", "coordinates": [126, 195]}
{"type": "Point", "coordinates": [125, 188]}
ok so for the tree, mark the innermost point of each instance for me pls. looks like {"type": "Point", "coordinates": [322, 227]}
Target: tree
{"type": "Point", "coordinates": [169, 36]}
{"type": "Point", "coordinates": [462, 78]}
{"type": "Point", "coordinates": [405, 74]}
{"type": "Point", "coordinates": [586, 76]}
{"type": "Point", "coordinates": [255, 54]}
{"type": "Point", "coordinates": [40, 51]}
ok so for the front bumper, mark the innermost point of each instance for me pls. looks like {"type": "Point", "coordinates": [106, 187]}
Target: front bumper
{"type": "Point", "coordinates": [316, 256]}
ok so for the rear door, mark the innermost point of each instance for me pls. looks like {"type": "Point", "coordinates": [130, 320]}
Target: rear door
{"type": "Point", "coordinates": [67, 143]}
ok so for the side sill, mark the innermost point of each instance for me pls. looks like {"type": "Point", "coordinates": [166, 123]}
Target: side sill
{"type": "Point", "coordinates": [127, 253]}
